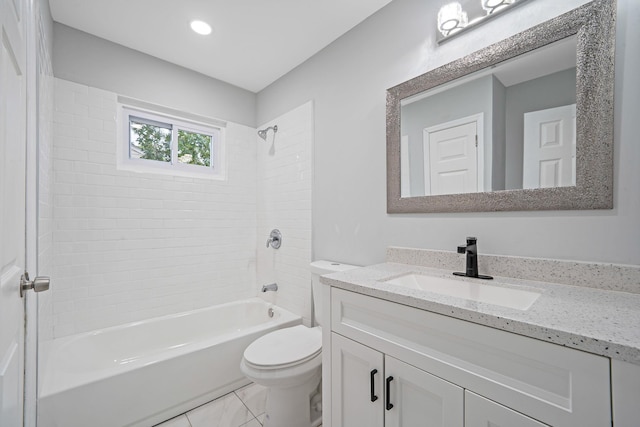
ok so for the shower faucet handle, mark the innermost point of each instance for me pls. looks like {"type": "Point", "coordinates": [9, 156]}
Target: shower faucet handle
{"type": "Point", "coordinates": [275, 239]}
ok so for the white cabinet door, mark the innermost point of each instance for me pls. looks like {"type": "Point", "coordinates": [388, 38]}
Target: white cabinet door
{"type": "Point", "coordinates": [356, 384]}
{"type": "Point", "coordinates": [625, 381]}
{"type": "Point", "coordinates": [420, 399]}
{"type": "Point", "coordinates": [481, 412]}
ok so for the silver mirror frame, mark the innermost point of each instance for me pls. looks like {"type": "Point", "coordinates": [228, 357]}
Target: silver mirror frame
{"type": "Point", "coordinates": [594, 24]}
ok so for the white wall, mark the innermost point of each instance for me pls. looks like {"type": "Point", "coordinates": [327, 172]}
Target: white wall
{"type": "Point", "coordinates": [130, 246]}
{"type": "Point", "coordinates": [83, 58]}
{"type": "Point", "coordinates": [347, 82]}
{"type": "Point", "coordinates": [284, 202]}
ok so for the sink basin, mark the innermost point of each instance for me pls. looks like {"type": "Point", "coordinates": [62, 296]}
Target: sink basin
{"type": "Point", "coordinates": [480, 291]}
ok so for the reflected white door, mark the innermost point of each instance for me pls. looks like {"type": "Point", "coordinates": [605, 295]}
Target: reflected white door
{"type": "Point", "coordinates": [12, 208]}
{"type": "Point", "coordinates": [550, 148]}
{"type": "Point", "coordinates": [453, 160]}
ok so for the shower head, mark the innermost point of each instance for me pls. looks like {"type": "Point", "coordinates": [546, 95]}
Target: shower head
{"type": "Point", "coordinates": [263, 132]}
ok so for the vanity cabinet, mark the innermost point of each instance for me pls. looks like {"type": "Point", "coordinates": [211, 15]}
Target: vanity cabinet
{"type": "Point", "coordinates": [454, 372]}
{"type": "Point", "coordinates": [481, 412]}
{"type": "Point", "coordinates": [372, 389]}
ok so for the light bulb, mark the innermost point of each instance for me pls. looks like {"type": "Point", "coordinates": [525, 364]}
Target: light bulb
{"type": "Point", "coordinates": [494, 5]}
{"type": "Point", "coordinates": [451, 18]}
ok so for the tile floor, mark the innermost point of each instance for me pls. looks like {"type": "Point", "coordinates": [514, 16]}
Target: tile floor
{"type": "Point", "coordinates": [242, 408]}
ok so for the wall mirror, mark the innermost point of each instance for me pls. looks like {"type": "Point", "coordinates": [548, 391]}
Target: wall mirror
{"type": "Point", "coordinates": [525, 124]}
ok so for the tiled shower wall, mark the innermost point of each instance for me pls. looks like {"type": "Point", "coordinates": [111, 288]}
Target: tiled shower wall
{"type": "Point", "coordinates": [284, 202]}
{"type": "Point", "coordinates": [130, 246]}
{"type": "Point", "coordinates": [45, 94]}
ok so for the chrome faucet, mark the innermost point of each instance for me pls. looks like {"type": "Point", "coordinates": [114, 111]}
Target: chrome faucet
{"type": "Point", "coordinates": [271, 287]}
{"type": "Point", "coordinates": [471, 249]}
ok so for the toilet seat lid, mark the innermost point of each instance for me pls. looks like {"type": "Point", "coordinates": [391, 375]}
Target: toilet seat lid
{"type": "Point", "coordinates": [285, 347]}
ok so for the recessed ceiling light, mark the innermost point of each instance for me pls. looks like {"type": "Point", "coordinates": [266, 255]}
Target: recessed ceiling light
{"type": "Point", "coordinates": [201, 27]}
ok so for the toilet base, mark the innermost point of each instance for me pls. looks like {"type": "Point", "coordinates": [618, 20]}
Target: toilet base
{"type": "Point", "coordinates": [292, 406]}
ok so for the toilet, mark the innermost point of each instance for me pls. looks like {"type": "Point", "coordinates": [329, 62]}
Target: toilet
{"type": "Point", "coordinates": [289, 363]}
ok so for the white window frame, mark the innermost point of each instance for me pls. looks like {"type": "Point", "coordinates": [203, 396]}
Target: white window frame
{"type": "Point", "coordinates": [217, 170]}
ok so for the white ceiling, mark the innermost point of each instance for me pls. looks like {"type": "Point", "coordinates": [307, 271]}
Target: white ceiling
{"type": "Point", "coordinates": [254, 42]}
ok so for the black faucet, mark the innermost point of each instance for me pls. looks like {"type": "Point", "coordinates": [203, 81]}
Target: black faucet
{"type": "Point", "coordinates": [471, 249]}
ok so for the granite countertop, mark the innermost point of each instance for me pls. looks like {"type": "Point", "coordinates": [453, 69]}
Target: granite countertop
{"type": "Point", "coordinates": [597, 321]}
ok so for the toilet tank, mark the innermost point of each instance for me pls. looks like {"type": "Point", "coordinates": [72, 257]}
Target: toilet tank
{"type": "Point", "coordinates": [319, 268]}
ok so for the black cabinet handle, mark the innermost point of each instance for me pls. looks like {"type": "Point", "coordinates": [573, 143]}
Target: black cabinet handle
{"type": "Point", "coordinates": [373, 386]}
{"type": "Point", "coordinates": [389, 405]}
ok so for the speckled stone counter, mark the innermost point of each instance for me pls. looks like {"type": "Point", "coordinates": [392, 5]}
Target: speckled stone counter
{"type": "Point", "coordinates": [598, 321]}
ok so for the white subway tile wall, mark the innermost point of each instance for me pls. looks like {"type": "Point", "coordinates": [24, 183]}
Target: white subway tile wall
{"type": "Point", "coordinates": [130, 246]}
{"type": "Point", "coordinates": [284, 202]}
{"type": "Point", "coordinates": [45, 95]}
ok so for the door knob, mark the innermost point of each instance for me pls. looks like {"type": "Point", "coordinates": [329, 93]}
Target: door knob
{"type": "Point", "coordinates": [39, 284]}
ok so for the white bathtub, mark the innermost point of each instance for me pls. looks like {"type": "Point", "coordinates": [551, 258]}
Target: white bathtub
{"type": "Point", "coordinates": [145, 372]}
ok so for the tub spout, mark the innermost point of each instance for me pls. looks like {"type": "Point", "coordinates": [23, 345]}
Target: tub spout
{"type": "Point", "coordinates": [272, 287]}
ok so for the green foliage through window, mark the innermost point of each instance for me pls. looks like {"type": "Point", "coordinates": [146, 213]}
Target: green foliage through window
{"type": "Point", "coordinates": [153, 140]}
{"type": "Point", "coordinates": [194, 148]}
{"type": "Point", "coordinates": [150, 142]}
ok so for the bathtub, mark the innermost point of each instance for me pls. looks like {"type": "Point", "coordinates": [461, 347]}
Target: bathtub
{"type": "Point", "coordinates": [143, 373]}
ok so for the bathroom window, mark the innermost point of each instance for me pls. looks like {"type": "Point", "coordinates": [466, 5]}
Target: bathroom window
{"type": "Point", "coordinates": [163, 144]}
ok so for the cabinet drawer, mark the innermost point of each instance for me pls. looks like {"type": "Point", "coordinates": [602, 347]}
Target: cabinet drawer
{"type": "Point", "coordinates": [551, 383]}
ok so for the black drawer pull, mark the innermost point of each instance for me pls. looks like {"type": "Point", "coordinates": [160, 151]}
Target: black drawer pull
{"type": "Point", "coordinates": [373, 386]}
{"type": "Point", "coordinates": [389, 404]}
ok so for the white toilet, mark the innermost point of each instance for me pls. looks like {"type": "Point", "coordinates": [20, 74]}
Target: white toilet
{"type": "Point", "coordinates": [288, 362]}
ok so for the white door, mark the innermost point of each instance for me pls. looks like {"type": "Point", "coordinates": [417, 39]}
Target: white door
{"type": "Point", "coordinates": [550, 148]}
{"type": "Point", "coordinates": [453, 160]}
{"type": "Point", "coordinates": [357, 393]}
{"type": "Point", "coordinates": [421, 399]}
{"type": "Point", "coordinates": [481, 412]}
{"type": "Point", "coordinates": [12, 208]}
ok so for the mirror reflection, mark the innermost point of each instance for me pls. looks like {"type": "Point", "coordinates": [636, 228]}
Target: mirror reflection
{"type": "Point", "coordinates": [511, 126]}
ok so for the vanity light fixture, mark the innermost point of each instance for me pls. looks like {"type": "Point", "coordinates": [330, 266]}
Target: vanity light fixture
{"type": "Point", "coordinates": [201, 27]}
{"type": "Point", "coordinates": [457, 17]}
{"type": "Point", "coordinates": [494, 5]}
{"type": "Point", "coordinates": [451, 18]}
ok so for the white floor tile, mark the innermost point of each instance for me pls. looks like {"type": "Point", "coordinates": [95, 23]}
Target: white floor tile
{"type": "Point", "coordinates": [228, 411]}
{"type": "Point", "coordinates": [180, 421]}
{"type": "Point", "coordinates": [252, 423]}
{"type": "Point", "coordinates": [255, 397]}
